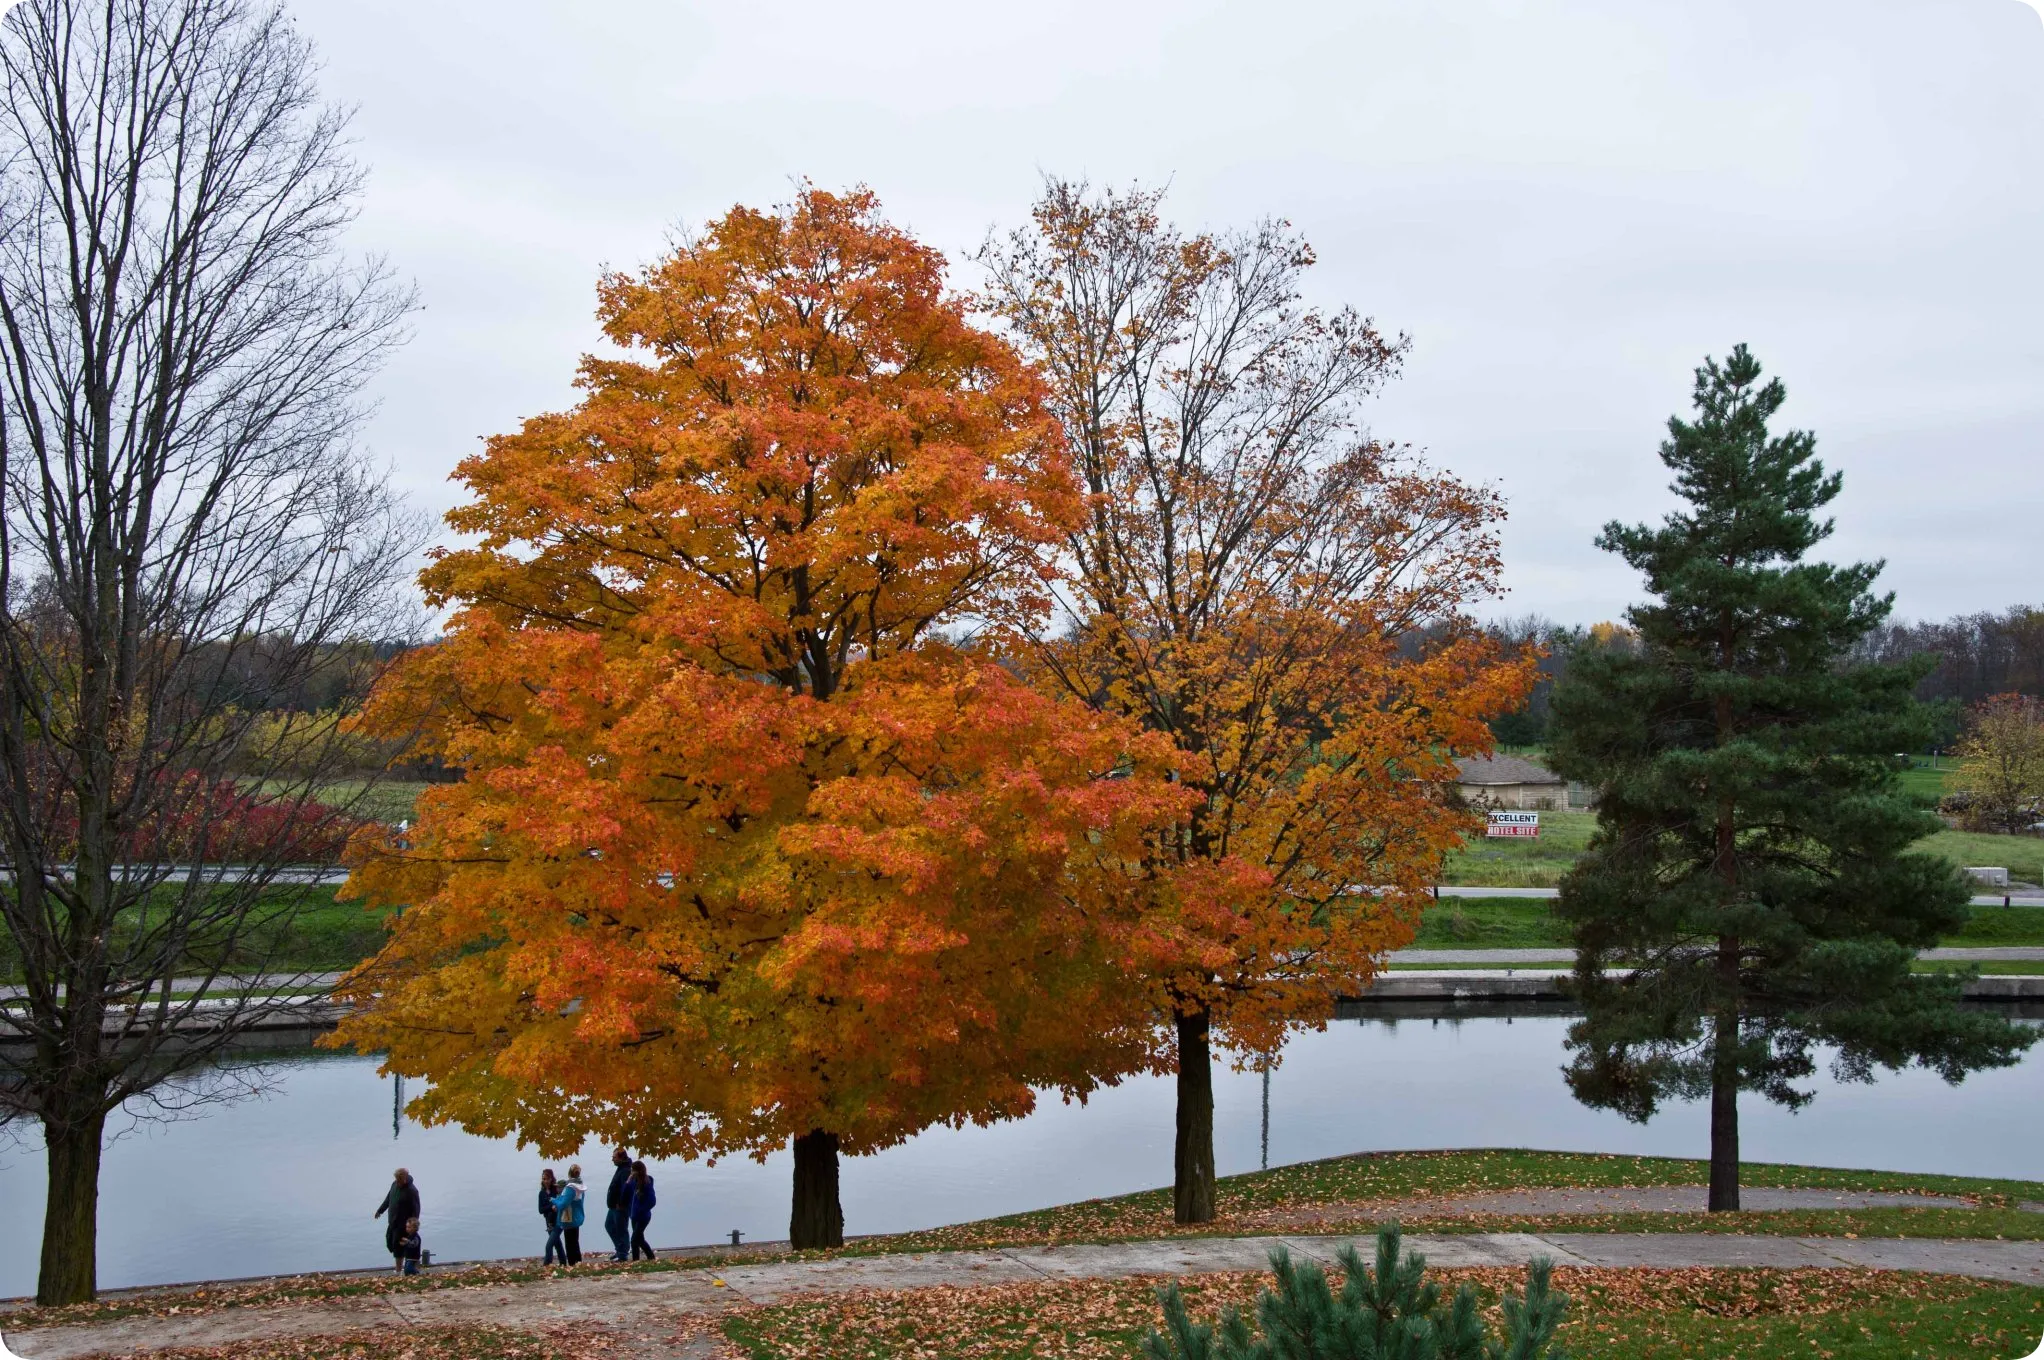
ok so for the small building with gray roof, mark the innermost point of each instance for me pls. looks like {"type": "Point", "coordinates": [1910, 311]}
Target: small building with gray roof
{"type": "Point", "coordinates": [1510, 782]}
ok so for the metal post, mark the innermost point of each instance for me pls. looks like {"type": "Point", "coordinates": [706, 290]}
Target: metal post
{"type": "Point", "coordinates": [1266, 1114]}
{"type": "Point", "coordinates": [397, 1104]}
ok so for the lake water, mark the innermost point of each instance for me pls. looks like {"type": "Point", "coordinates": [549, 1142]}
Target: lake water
{"type": "Point", "coordinates": [287, 1183]}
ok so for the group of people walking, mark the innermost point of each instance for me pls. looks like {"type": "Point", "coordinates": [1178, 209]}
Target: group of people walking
{"type": "Point", "coordinates": [627, 1209]}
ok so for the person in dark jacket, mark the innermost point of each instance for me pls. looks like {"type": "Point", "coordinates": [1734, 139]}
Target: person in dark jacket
{"type": "Point", "coordinates": [640, 1209]}
{"type": "Point", "coordinates": [617, 1203]}
{"type": "Point", "coordinates": [401, 1202]}
{"type": "Point", "coordinates": [549, 1189]}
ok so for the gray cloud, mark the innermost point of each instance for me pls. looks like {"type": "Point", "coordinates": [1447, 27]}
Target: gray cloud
{"type": "Point", "coordinates": [1566, 203]}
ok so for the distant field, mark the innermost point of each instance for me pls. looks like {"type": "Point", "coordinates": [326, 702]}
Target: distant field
{"type": "Point", "coordinates": [1564, 836]}
{"type": "Point", "coordinates": [301, 928]}
{"type": "Point", "coordinates": [1530, 923]}
{"type": "Point", "coordinates": [1490, 923]}
{"type": "Point", "coordinates": [1926, 781]}
{"type": "Point", "coordinates": [382, 800]}
{"type": "Point", "coordinates": [2022, 856]}
{"type": "Point", "coordinates": [389, 800]}
{"type": "Point", "coordinates": [1536, 863]}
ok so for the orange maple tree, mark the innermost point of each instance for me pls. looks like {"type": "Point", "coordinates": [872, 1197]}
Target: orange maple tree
{"type": "Point", "coordinates": [1279, 594]}
{"type": "Point", "coordinates": [749, 849]}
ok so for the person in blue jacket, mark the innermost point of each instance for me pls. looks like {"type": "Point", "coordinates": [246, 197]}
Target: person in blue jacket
{"type": "Point", "coordinates": [569, 1204]}
{"type": "Point", "coordinates": [640, 1188]}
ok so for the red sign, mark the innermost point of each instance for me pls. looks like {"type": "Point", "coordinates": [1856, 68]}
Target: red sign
{"type": "Point", "coordinates": [1509, 824]}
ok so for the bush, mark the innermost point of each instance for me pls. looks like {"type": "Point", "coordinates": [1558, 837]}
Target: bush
{"type": "Point", "coordinates": [1390, 1313]}
{"type": "Point", "coordinates": [2001, 765]}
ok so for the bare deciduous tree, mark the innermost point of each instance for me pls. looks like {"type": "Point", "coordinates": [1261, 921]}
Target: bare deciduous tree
{"type": "Point", "coordinates": [188, 533]}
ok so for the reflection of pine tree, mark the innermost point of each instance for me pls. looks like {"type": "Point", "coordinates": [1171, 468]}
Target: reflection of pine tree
{"type": "Point", "coordinates": [1391, 1311]}
{"type": "Point", "coordinates": [1751, 864]}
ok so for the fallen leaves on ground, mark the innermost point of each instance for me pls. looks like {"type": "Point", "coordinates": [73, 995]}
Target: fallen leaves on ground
{"type": "Point", "coordinates": [1098, 1319]}
{"type": "Point", "coordinates": [308, 1290]}
{"type": "Point", "coordinates": [467, 1342]}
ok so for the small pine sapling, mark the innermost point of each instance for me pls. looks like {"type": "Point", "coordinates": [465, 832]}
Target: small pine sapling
{"type": "Point", "coordinates": [1391, 1312]}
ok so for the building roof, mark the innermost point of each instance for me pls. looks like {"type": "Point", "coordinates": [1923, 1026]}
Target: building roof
{"type": "Point", "coordinates": [1484, 770]}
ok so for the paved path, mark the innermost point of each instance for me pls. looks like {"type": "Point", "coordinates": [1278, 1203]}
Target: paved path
{"type": "Point", "coordinates": [1989, 954]}
{"type": "Point", "coordinates": [311, 983]}
{"type": "Point", "coordinates": [651, 1308]}
{"type": "Point", "coordinates": [2021, 897]}
{"type": "Point", "coordinates": [176, 874]}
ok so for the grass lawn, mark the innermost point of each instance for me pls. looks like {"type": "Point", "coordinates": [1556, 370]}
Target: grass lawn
{"type": "Point", "coordinates": [1537, 862]}
{"type": "Point", "coordinates": [330, 935]}
{"type": "Point", "coordinates": [1927, 780]}
{"type": "Point", "coordinates": [319, 935]}
{"type": "Point", "coordinates": [388, 800]}
{"type": "Point", "coordinates": [1529, 923]}
{"type": "Point", "coordinates": [1637, 1315]}
{"type": "Point", "coordinates": [381, 800]}
{"type": "Point", "coordinates": [2022, 856]}
{"type": "Point", "coordinates": [1346, 1194]}
{"type": "Point", "coordinates": [1564, 836]}
{"type": "Point", "coordinates": [1490, 923]}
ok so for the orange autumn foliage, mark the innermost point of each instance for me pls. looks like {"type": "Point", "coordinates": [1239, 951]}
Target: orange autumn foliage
{"type": "Point", "coordinates": [747, 848]}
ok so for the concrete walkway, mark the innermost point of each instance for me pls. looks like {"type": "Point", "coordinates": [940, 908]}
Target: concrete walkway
{"type": "Point", "coordinates": [654, 1311]}
{"type": "Point", "coordinates": [1511, 957]}
{"type": "Point", "coordinates": [2020, 897]}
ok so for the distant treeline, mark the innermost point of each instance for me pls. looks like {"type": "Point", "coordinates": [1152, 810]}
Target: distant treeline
{"type": "Point", "coordinates": [1977, 655]}
{"type": "Point", "coordinates": [300, 702]}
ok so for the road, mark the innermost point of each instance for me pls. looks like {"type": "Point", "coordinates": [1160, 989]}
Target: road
{"type": "Point", "coordinates": [1993, 954]}
{"type": "Point", "coordinates": [2019, 899]}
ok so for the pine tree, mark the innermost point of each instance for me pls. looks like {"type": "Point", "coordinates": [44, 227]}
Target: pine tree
{"type": "Point", "coordinates": [1390, 1313]}
{"type": "Point", "coordinates": [1749, 894]}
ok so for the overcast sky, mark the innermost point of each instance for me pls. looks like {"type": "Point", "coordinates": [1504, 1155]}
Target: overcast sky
{"type": "Point", "coordinates": [1565, 203]}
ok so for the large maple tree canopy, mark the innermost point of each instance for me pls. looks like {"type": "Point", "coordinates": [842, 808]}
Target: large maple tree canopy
{"type": "Point", "coordinates": [747, 846]}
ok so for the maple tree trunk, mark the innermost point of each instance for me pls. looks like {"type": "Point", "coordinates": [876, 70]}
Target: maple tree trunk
{"type": "Point", "coordinates": [1724, 1088]}
{"type": "Point", "coordinates": [69, 1272]}
{"type": "Point", "coordinates": [1192, 1168]}
{"type": "Point", "coordinates": [817, 1220]}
